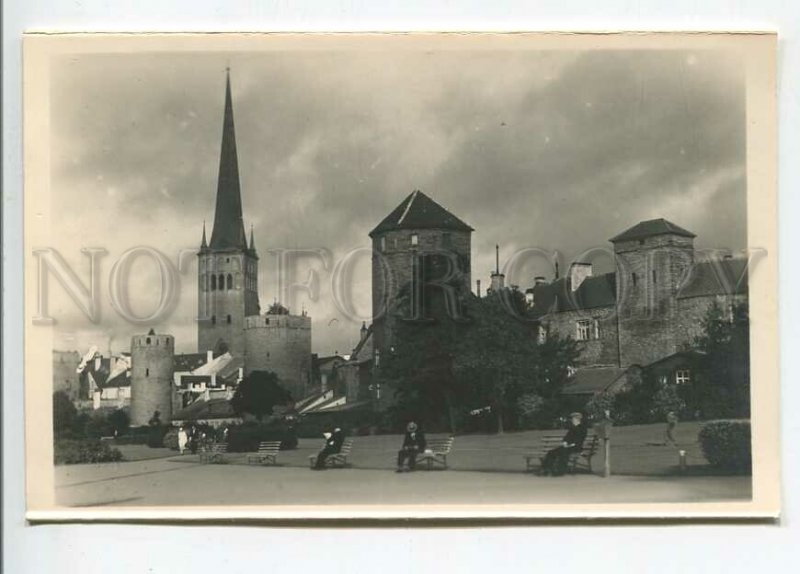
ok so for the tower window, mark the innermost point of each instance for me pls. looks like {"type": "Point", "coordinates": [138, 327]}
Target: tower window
{"type": "Point", "coordinates": [654, 277]}
{"type": "Point", "coordinates": [213, 319]}
{"type": "Point", "coordinates": [633, 278]}
{"type": "Point", "coordinates": [230, 281]}
{"type": "Point", "coordinates": [148, 340]}
{"type": "Point", "coordinates": [213, 282]}
{"type": "Point", "coordinates": [266, 321]}
{"type": "Point", "coordinates": [414, 239]}
{"type": "Point", "coordinates": [227, 260]}
{"type": "Point", "coordinates": [221, 281]}
{"type": "Point", "coordinates": [383, 244]}
{"type": "Point", "coordinates": [147, 372]}
{"type": "Point", "coordinates": [228, 319]}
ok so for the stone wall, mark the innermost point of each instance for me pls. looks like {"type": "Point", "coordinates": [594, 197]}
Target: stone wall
{"type": "Point", "coordinates": [595, 352]}
{"type": "Point", "coordinates": [152, 359]}
{"type": "Point", "coordinates": [392, 268]}
{"type": "Point", "coordinates": [281, 344]}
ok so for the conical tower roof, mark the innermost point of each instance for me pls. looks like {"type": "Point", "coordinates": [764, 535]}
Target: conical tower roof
{"type": "Point", "coordinates": [228, 230]}
{"type": "Point", "coordinates": [418, 211]}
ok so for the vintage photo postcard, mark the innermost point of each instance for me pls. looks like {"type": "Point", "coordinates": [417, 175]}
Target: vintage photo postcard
{"type": "Point", "coordinates": [357, 276]}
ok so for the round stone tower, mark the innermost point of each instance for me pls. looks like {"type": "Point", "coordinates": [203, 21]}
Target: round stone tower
{"type": "Point", "coordinates": [152, 358]}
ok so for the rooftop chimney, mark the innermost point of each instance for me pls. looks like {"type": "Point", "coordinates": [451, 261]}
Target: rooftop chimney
{"type": "Point", "coordinates": [577, 273]}
{"type": "Point", "coordinates": [363, 330]}
{"type": "Point", "coordinates": [498, 279]}
{"type": "Point", "coordinates": [209, 356]}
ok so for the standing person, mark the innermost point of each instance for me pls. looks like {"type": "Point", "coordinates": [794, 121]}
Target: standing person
{"type": "Point", "coordinates": [182, 439]}
{"type": "Point", "coordinates": [413, 442]}
{"type": "Point", "coordinates": [672, 424]}
{"type": "Point", "coordinates": [333, 445]}
{"type": "Point", "coordinates": [555, 461]}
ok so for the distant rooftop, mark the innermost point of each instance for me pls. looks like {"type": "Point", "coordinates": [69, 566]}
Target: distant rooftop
{"type": "Point", "coordinates": [651, 228]}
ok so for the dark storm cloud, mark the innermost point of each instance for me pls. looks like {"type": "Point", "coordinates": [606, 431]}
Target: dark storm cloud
{"type": "Point", "coordinates": [557, 150]}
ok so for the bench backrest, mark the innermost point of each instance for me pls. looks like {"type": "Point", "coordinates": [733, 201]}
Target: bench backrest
{"type": "Point", "coordinates": [440, 445]}
{"type": "Point", "coordinates": [347, 445]}
{"type": "Point", "coordinates": [269, 447]}
{"type": "Point", "coordinates": [554, 440]}
{"type": "Point", "coordinates": [220, 447]}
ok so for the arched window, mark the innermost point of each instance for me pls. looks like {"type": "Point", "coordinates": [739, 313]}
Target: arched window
{"type": "Point", "coordinates": [230, 281]}
{"type": "Point", "coordinates": [213, 282]}
{"type": "Point", "coordinates": [221, 281]}
{"type": "Point", "coordinates": [213, 319]}
{"type": "Point", "coordinates": [147, 372]}
{"type": "Point", "coordinates": [228, 318]}
{"type": "Point", "coordinates": [148, 340]}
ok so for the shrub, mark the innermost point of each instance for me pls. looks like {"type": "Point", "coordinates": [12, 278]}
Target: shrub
{"type": "Point", "coordinates": [68, 451]}
{"type": "Point", "coordinates": [155, 438]}
{"type": "Point", "coordinates": [170, 439]}
{"type": "Point", "coordinates": [245, 437]}
{"type": "Point", "coordinates": [726, 445]}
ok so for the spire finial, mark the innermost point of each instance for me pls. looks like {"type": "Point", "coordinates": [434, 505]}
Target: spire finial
{"type": "Point", "coordinates": [497, 258]}
{"type": "Point", "coordinates": [203, 243]}
{"type": "Point", "coordinates": [252, 240]}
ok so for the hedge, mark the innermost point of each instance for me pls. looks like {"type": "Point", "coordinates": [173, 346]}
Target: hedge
{"type": "Point", "coordinates": [726, 444]}
{"type": "Point", "coordinates": [246, 437]}
{"type": "Point", "coordinates": [69, 451]}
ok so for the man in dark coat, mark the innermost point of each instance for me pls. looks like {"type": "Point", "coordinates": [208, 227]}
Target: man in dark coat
{"type": "Point", "coordinates": [556, 460]}
{"type": "Point", "coordinates": [333, 445]}
{"type": "Point", "coordinates": [413, 443]}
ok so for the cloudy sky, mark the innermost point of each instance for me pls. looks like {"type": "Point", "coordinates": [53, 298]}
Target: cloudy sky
{"type": "Point", "coordinates": [547, 149]}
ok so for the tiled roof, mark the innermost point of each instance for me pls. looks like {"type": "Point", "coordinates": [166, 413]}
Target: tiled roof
{"type": "Point", "coordinates": [592, 380]}
{"type": "Point", "coordinates": [650, 228]}
{"type": "Point", "coordinates": [418, 211]}
{"type": "Point", "coordinates": [593, 292]}
{"type": "Point", "coordinates": [718, 277]}
{"type": "Point", "coordinates": [189, 361]}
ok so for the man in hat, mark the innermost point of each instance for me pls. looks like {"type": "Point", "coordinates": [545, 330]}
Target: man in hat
{"type": "Point", "coordinates": [555, 461]}
{"type": "Point", "coordinates": [333, 445]}
{"type": "Point", "coordinates": [413, 442]}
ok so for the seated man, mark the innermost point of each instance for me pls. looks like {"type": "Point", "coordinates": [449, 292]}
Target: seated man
{"type": "Point", "coordinates": [333, 445]}
{"type": "Point", "coordinates": [556, 460]}
{"type": "Point", "coordinates": [413, 442]}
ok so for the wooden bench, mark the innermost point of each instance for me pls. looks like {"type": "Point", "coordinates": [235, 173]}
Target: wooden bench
{"type": "Point", "coordinates": [578, 460]}
{"type": "Point", "coordinates": [215, 453]}
{"type": "Point", "coordinates": [267, 453]}
{"type": "Point", "coordinates": [337, 460]}
{"type": "Point", "coordinates": [435, 453]}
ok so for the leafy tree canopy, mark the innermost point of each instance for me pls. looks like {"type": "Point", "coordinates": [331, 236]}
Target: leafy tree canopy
{"type": "Point", "coordinates": [258, 394]}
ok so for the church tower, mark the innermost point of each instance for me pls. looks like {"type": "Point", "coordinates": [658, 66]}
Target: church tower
{"type": "Point", "coordinates": [227, 266]}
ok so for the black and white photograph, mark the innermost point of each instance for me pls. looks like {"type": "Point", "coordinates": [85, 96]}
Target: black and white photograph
{"type": "Point", "coordinates": [400, 275]}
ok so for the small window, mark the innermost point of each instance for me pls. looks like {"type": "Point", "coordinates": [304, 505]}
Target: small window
{"type": "Point", "coordinates": [414, 239]}
{"type": "Point", "coordinates": [147, 372]}
{"type": "Point", "coordinates": [383, 244]}
{"type": "Point", "coordinates": [148, 340]}
{"type": "Point", "coordinates": [213, 282]}
{"type": "Point", "coordinates": [583, 330]}
{"type": "Point", "coordinates": [654, 277]}
{"type": "Point", "coordinates": [633, 279]}
{"type": "Point", "coordinates": [227, 260]}
{"type": "Point", "coordinates": [213, 319]}
{"type": "Point", "coordinates": [221, 281]}
{"type": "Point", "coordinates": [228, 319]}
{"type": "Point", "coordinates": [266, 321]}
{"type": "Point", "coordinates": [230, 281]}
{"type": "Point", "coordinates": [542, 334]}
{"type": "Point", "coordinates": [683, 377]}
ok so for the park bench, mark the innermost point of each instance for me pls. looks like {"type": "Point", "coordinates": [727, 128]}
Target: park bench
{"type": "Point", "coordinates": [435, 453]}
{"type": "Point", "coordinates": [215, 453]}
{"type": "Point", "coordinates": [337, 460]}
{"type": "Point", "coordinates": [578, 460]}
{"type": "Point", "coordinates": [267, 453]}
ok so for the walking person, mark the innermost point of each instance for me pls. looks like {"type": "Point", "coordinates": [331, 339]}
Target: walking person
{"type": "Point", "coordinates": [413, 443]}
{"type": "Point", "coordinates": [556, 460]}
{"type": "Point", "coordinates": [183, 438]}
{"type": "Point", "coordinates": [669, 433]}
{"type": "Point", "coordinates": [333, 445]}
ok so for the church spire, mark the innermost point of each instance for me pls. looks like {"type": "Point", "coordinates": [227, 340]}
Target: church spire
{"type": "Point", "coordinates": [228, 230]}
{"type": "Point", "coordinates": [252, 242]}
{"type": "Point", "coordinates": [204, 243]}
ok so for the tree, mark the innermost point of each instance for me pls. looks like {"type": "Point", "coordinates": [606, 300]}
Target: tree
{"type": "Point", "coordinates": [119, 421]}
{"type": "Point", "coordinates": [258, 394]}
{"type": "Point", "coordinates": [722, 385]}
{"type": "Point", "coordinates": [64, 413]}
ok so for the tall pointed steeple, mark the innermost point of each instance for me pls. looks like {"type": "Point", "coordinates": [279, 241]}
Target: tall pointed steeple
{"type": "Point", "coordinates": [203, 242]}
{"type": "Point", "coordinates": [228, 230]}
{"type": "Point", "coordinates": [252, 243]}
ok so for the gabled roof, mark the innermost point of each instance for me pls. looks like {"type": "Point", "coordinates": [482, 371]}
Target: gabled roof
{"type": "Point", "coordinates": [651, 228]}
{"type": "Point", "coordinates": [717, 277]}
{"type": "Point", "coordinates": [418, 211]}
{"type": "Point", "coordinates": [188, 361]}
{"type": "Point", "coordinates": [593, 292]}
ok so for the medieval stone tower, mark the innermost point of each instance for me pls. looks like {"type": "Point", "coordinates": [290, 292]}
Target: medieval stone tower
{"type": "Point", "coordinates": [152, 358]}
{"type": "Point", "coordinates": [418, 242]}
{"type": "Point", "coordinates": [653, 259]}
{"type": "Point", "coordinates": [227, 279]}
